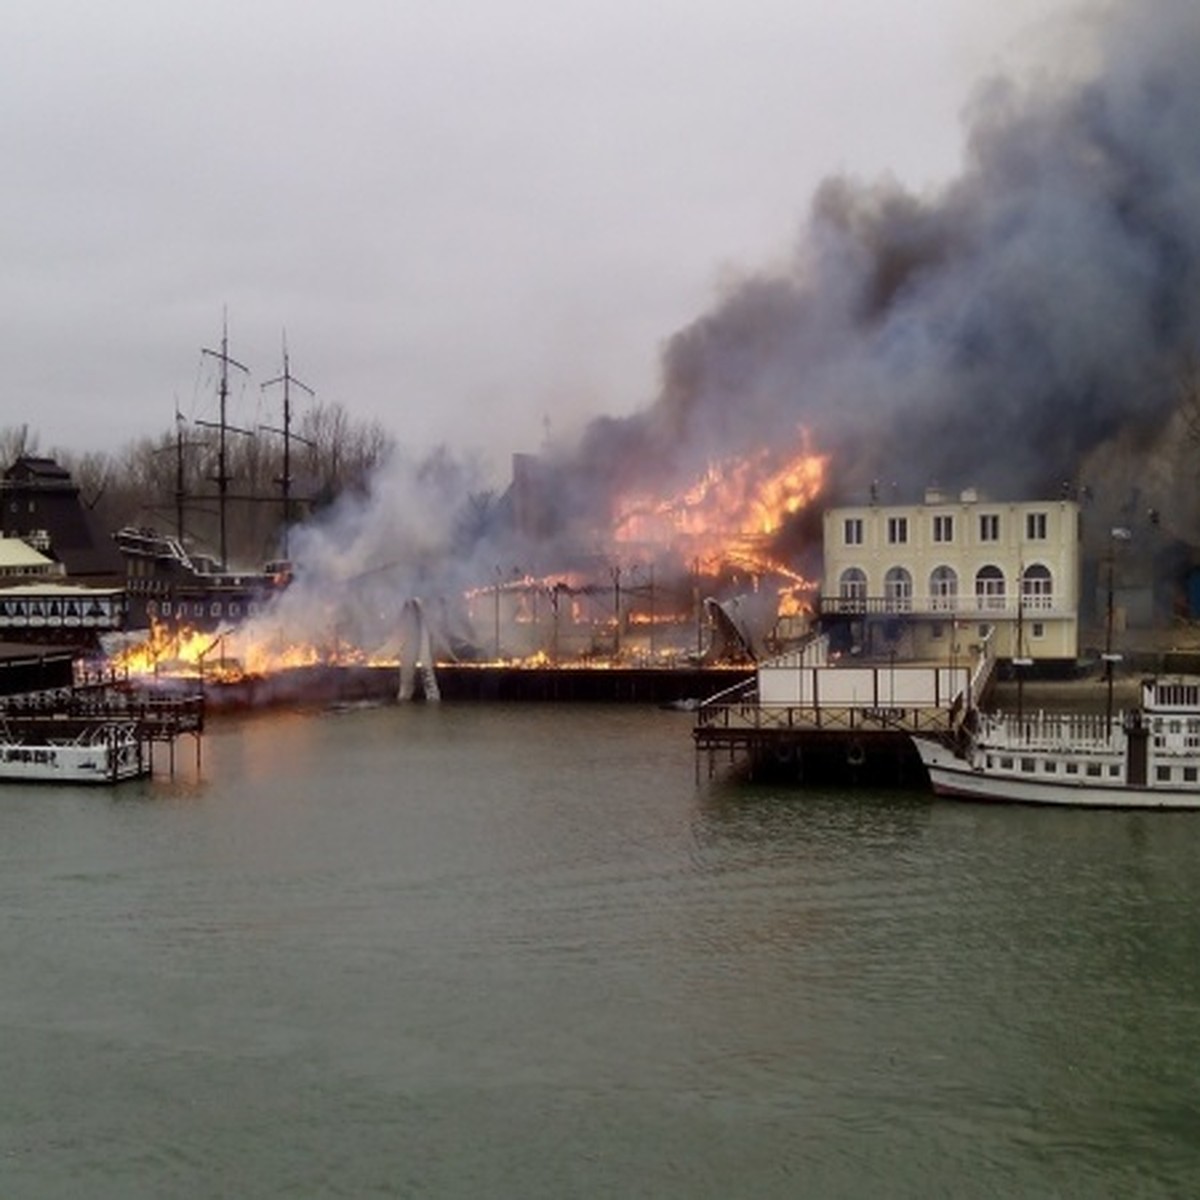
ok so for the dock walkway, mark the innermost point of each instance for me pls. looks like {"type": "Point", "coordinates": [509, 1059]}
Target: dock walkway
{"type": "Point", "coordinates": [127, 721]}
{"type": "Point", "coordinates": [804, 717]}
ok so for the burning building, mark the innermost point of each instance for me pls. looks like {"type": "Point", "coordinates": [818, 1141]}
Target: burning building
{"type": "Point", "coordinates": [1024, 325]}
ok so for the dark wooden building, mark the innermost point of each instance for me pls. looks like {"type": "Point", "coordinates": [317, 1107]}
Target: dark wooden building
{"type": "Point", "coordinates": [40, 503]}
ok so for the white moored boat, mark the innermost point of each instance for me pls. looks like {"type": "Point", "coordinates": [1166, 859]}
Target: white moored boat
{"type": "Point", "coordinates": [1148, 757]}
{"type": "Point", "coordinates": [104, 753]}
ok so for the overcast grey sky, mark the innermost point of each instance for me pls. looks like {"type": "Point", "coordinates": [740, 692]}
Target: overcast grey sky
{"type": "Point", "coordinates": [470, 218]}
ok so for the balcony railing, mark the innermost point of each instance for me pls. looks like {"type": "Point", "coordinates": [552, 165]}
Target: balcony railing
{"type": "Point", "coordinates": [971, 607]}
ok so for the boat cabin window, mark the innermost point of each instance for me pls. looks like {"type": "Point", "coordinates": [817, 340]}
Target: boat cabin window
{"type": "Point", "coordinates": [1177, 695]}
{"type": "Point", "coordinates": [1071, 768]}
{"type": "Point", "coordinates": [1093, 769]}
{"type": "Point", "coordinates": [1189, 774]}
{"type": "Point", "coordinates": [1051, 767]}
{"type": "Point", "coordinates": [1162, 774]}
{"type": "Point", "coordinates": [1028, 764]}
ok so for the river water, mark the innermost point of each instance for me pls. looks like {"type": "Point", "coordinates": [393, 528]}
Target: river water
{"type": "Point", "coordinates": [520, 951]}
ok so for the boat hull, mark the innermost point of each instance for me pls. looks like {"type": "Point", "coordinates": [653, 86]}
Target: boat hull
{"type": "Point", "coordinates": [952, 775]}
{"type": "Point", "coordinates": [71, 764]}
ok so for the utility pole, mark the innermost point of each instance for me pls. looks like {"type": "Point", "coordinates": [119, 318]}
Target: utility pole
{"type": "Point", "coordinates": [616, 578]}
{"type": "Point", "coordinates": [1119, 534]}
{"type": "Point", "coordinates": [285, 483]}
{"type": "Point", "coordinates": [180, 482]}
{"type": "Point", "coordinates": [223, 428]}
{"type": "Point", "coordinates": [1020, 660]}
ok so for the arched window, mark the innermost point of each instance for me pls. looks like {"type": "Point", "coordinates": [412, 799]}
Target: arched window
{"type": "Point", "coordinates": [1037, 587]}
{"type": "Point", "coordinates": [852, 590]}
{"type": "Point", "coordinates": [943, 589]}
{"type": "Point", "coordinates": [897, 590]}
{"type": "Point", "coordinates": [989, 588]}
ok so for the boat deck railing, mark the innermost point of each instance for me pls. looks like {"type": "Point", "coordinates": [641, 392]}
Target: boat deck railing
{"type": "Point", "coordinates": [1052, 732]}
{"type": "Point", "coordinates": [70, 713]}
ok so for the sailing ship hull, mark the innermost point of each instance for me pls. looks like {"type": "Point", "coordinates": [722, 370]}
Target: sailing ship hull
{"type": "Point", "coordinates": [954, 775]}
{"type": "Point", "coordinates": [170, 587]}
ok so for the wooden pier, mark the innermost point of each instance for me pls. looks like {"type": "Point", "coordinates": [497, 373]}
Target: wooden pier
{"type": "Point", "coordinates": [804, 719]}
{"type": "Point", "coordinates": [126, 724]}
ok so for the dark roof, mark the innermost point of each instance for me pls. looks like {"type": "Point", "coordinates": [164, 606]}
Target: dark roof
{"type": "Point", "coordinates": [30, 468]}
{"type": "Point", "coordinates": [40, 496]}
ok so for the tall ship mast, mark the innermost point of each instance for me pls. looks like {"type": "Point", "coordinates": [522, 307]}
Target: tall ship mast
{"type": "Point", "coordinates": [223, 428]}
{"type": "Point", "coordinates": [285, 480]}
{"type": "Point", "coordinates": [168, 583]}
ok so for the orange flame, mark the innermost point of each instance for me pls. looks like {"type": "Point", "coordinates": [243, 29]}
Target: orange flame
{"type": "Point", "coordinates": [724, 517]}
{"type": "Point", "coordinates": [228, 655]}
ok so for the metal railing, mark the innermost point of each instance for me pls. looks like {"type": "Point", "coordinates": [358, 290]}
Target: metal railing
{"type": "Point", "coordinates": [740, 708]}
{"type": "Point", "coordinates": [750, 717]}
{"type": "Point", "coordinates": [968, 607]}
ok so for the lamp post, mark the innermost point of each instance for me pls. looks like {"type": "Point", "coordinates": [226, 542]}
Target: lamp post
{"type": "Point", "coordinates": [1118, 534]}
{"type": "Point", "coordinates": [1020, 660]}
{"type": "Point", "coordinates": [497, 614]}
{"type": "Point", "coordinates": [616, 578]}
{"type": "Point", "coordinates": [651, 570]}
{"type": "Point", "coordinates": [554, 597]}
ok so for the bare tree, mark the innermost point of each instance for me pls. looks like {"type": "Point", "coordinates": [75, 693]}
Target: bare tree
{"type": "Point", "coordinates": [15, 442]}
{"type": "Point", "coordinates": [157, 480]}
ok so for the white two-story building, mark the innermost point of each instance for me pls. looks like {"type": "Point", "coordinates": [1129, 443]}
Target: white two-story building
{"type": "Point", "coordinates": [930, 581]}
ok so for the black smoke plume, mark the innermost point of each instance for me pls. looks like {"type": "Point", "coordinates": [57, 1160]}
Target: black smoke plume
{"type": "Point", "coordinates": [993, 334]}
